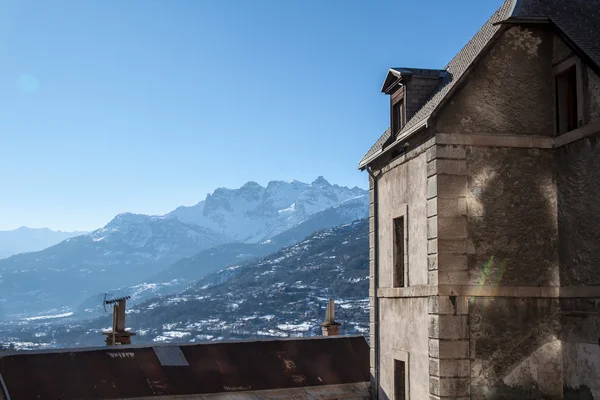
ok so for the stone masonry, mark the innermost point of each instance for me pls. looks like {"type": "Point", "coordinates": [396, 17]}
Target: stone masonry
{"type": "Point", "coordinates": [449, 366]}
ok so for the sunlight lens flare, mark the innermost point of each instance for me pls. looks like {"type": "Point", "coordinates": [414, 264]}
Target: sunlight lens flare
{"type": "Point", "coordinates": [491, 274]}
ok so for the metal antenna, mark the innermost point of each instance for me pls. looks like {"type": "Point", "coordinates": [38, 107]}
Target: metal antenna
{"type": "Point", "coordinates": [113, 301]}
{"type": "Point", "coordinates": [104, 301]}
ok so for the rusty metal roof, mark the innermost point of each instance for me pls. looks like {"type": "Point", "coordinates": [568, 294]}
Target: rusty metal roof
{"type": "Point", "coordinates": [214, 367]}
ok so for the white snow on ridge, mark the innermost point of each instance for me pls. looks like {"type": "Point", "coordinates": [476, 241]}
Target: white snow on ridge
{"type": "Point", "coordinates": [303, 327]}
{"type": "Point", "coordinates": [63, 315]}
{"type": "Point", "coordinates": [254, 213]}
{"type": "Point", "coordinates": [289, 209]}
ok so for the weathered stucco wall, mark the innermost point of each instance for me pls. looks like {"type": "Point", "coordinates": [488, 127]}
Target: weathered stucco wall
{"type": "Point", "coordinates": [578, 185]}
{"type": "Point", "coordinates": [403, 326]}
{"type": "Point", "coordinates": [514, 349]}
{"type": "Point", "coordinates": [591, 84]}
{"type": "Point", "coordinates": [512, 224]}
{"type": "Point", "coordinates": [560, 50]}
{"type": "Point", "coordinates": [578, 176]}
{"type": "Point", "coordinates": [403, 322]}
{"type": "Point", "coordinates": [404, 185]}
{"type": "Point", "coordinates": [534, 348]}
{"type": "Point", "coordinates": [515, 77]}
{"type": "Point", "coordinates": [580, 331]}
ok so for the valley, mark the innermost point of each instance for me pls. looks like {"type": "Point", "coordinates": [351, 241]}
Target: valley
{"type": "Point", "coordinates": [200, 282]}
{"type": "Point", "coordinates": [283, 294]}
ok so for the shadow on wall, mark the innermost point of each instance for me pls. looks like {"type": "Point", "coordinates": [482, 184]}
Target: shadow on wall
{"type": "Point", "coordinates": [512, 217]}
{"type": "Point", "coordinates": [534, 348]}
{"type": "Point", "coordinates": [578, 177]}
{"type": "Point", "coordinates": [513, 231]}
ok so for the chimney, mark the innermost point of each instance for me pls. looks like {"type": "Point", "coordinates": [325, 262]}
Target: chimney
{"type": "Point", "coordinates": [118, 335]}
{"type": "Point", "coordinates": [329, 326]}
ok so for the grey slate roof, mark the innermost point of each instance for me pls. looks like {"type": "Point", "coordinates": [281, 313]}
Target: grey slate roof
{"type": "Point", "coordinates": [578, 19]}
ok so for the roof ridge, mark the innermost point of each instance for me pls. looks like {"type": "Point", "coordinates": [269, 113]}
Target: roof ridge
{"type": "Point", "coordinates": [172, 344]}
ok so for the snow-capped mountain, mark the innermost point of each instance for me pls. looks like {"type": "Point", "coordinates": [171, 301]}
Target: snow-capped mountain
{"type": "Point", "coordinates": [157, 236]}
{"type": "Point", "coordinates": [210, 260]}
{"type": "Point", "coordinates": [187, 270]}
{"type": "Point", "coordinates": [126, 249]}
{"type": "Point", "coordinates": [24, 240]}
{"type": "Point", "coordinates": [282, 294]}
{"type": "Point", "coordinates": [254, 213]}
{"type": "Point", "coordinates": [133, 248]}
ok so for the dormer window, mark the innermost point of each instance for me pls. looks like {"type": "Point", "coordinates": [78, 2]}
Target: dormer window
{"type": "Point", "coordinates": [398, 115]}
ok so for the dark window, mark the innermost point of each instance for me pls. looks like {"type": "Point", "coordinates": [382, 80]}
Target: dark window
{"type": "Point", "coordinates": [399, 252]}
{"type": "Point", "coordinates": [398, 116]}
{"type": "Point", "coordinates": [566, 100]}
{"type": "Point", "coordinates": [399, 380]}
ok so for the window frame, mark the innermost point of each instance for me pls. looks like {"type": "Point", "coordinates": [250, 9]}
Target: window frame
{"type": "Point", "coordinates": [397, 365]}
{"type": "Point", "coordinates": [401, 215]}
{"type": "Point", "coordinates": [399, 97]}
{"type": "Point", "coordinates": [398, 120]}
{"type": "Point", "coordinates": [401, 356]}
{"type": "Point", "coordinates": [560, 69]}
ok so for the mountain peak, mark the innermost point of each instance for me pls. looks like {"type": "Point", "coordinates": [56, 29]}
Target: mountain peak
{"type": "Point", "coordinates": [251, 185]}
{"type": "Point", "coordinates": [321, 182]}
{"type": "Point", "coordinates": [126, 218]}
{"type": "Point", "coordinates": [129, 216]}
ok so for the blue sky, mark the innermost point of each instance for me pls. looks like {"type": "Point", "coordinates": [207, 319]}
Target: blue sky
{"type": "Point", "coordinates": [143, 105]}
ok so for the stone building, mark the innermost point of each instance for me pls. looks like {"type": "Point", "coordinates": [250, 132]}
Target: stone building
{"type": "Point", "coordinates": [485, 215]}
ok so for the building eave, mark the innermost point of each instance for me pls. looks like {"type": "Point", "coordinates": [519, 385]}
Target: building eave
{"type": "Point", "coordinates": [392, 78]}
{"type": "Point", "coordinates": [528, 20]}
{"type": "Point", "coordinates": [402, 137]}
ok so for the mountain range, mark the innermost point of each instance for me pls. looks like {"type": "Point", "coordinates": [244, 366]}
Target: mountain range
{"type": "Point", "coordinates": [187, 270]}
{"type": "Point", "coordinates": [128, 248]}
{"type": "Point", "coordinates": [24, 240]}
{"type": "Point", "coordinates": [281, 294]}
{"type": "Point", "coordinates": [254, 213]}
{"type": "Point", "coordinates": [136, 252]}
